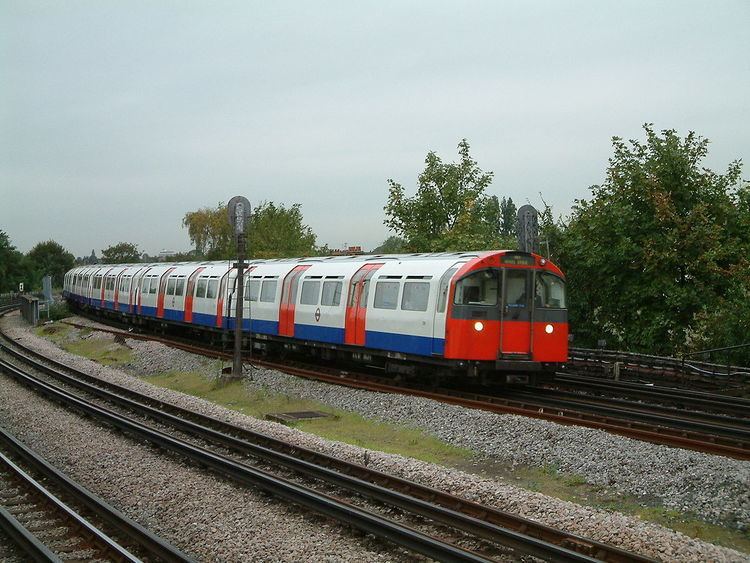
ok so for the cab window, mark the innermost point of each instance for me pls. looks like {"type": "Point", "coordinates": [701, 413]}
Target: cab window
{"type": "Point", "coordinates": [479, 288]}
{"type": "Point", "coordinates": [550, 291]}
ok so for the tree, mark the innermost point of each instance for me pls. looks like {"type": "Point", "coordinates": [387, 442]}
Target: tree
{"type": "Point", "coordinates": [391, 245]}
{"type": "Point", "coordinates": [508, 217]}
{"type": "Point", "coordinates": [274, 231]}
{"type": "Point", "coordinates": [49, 258]}
{"type": "Point", "coordinates": [278, 232]}
{"type": "Point", "coordinates": [209, 231]}
{"type": "Point", "coordinates": [13, 267]}
{"type": "Point", "coordinates": [727, 323]}
{"type": "Point", "coordinates": [657, 245]}
{"type": "Point", "coordinates": [121, 253]}
{"type": "Point", "coordinates": [450, 210]}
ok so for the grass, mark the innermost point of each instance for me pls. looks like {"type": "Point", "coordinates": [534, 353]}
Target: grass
{"type": "Point", "coordinates": [341, 425]}
{"type": "Point", "coordinates": [549, 480]}
{"type": "Point", "coordinates": [102, 350]}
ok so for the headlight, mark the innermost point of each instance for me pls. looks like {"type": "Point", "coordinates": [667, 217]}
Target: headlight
{"type": "Point", "coordinates": [549, 329]}
{"type": "Point", "coordinates": [479, 326]}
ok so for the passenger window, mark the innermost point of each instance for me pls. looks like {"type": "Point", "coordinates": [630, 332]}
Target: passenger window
{"type": "Point", "coordinates": [154, 285]}
{"type": "Point", "coordinates": [201, 288]}
{"type": "Point", "coordinates": [212, 290]}
{"type": "Point", "coordinates": [550, 291]}
{"type": "Point", "coordinates": [479, 288]}
{"type": "Point", "coordinates": [386, 295]}
{"type": "Point", "coordinates": [416, 295]}
{"type": "Point", "coordinates": [179, 286]}
{"type": "Point", "coordinates": [252, 290]}
{"type": "Point", "coordinates": [268, 291]}
{"type": "Point", "coordinates": [171, 284]}
{"type": "Point", "coordinates": [310, 292]}
{"type": "Point", "coordinates": [331, 293]}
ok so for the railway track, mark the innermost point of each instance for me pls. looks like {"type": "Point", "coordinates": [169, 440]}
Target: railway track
{"type": "Point", "coordinates": [728, 437]}
{"type": "Point", "coordinates": [452, 515]}
{"type": "Point", "coordinates": [53, 521]}
{"type": "Point", "coordinates": [681, 398]}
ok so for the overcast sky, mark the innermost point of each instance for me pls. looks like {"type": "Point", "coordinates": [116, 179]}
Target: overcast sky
{"type": "Point", "coordinates": [116, 118]}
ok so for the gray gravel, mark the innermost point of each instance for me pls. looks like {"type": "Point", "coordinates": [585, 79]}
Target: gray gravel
{"type": "Point", "coordinates": [206, 516]}
{"type": "Point", "coordinates": [619, 462]}
{"type": "Point", "coordinates": [714, 487]}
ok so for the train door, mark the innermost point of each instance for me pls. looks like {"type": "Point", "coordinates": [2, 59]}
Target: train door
{"type": "Point", "coordinates": [515, 324]}
{"type": "Point", "coordinates": [231, 296]}
{"type": "Point", "coordinates": [441, 310]}
{"type": "Point", "coordinates": [117, 288]}
{"type": "Point", "coordinates": [356, 304]}
{"type": "Point", "coordinates": [190, 294]}
{"type": "Point", "coordinates": [162, 293]}
{"type": "Point", "coordinates": [135, 290]}
{"type": "Point", "coordinates": [104, 287]}
{"type": "Point", "coordinates": [288, 298]}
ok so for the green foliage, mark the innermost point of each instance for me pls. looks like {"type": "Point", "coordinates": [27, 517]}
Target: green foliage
{"type": "Point", "coordinates": [209, 231]}
{"type": "Point", "coordinates": [727, 323]}
{"type": "Point", "coordinates": [508, 217]}
{"type": "Point", "coordinates": [58, 311]}
{"type": "Point", "coordinates": [49, 258]}
{"type": "Point", "coordinates": [450, 210]}
{"type": "Point", "coordinates": [275, 231]}
{"type": "Point", "coordinates": [13, 266]}
{"type": "Point", "coordinates": [657, 246]}
{"type": "Point", "coordinates": [121, 253]}
{"type": "Point", "coordinates": [391, 245]}
{"type": "Point", "coordinates": [278, 232]}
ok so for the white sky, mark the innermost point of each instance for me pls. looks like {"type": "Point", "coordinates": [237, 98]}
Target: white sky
{"type": "Point", "coordinates": [116, 118]}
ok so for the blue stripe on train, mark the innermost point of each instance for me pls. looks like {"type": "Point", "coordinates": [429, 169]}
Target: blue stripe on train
{"type": "Point", "coordinates": [259, 326]}
{"type": "Point", "coordinates": [334, 335]}
{"type": "Point", "coordinates": [174, 315]}
{"type": "Point", "coordinates": [406, 343]}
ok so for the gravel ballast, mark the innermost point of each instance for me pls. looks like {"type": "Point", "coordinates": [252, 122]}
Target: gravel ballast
{"type": "Point", "coordinates": [624, 464]}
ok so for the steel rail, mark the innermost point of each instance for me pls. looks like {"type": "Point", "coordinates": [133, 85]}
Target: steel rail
{"type": "Point", "coordinates": [698, 399]}
{"type": "Point", "coordinates": [25, 540]}
{"type": "Point", "coordinates": [78, 523]}
{"type": "Point", "coordinates": [339, 510]}
{"type": "Point", "coordinates": [483, 521]}
{"type": "Point", "coordinates": [673, 417]}
{"type": "Point", "coordinates": [738, 432]}
{"type": "Point", "coordinates": [650, 433]}
{"type": "Point", "coordinates": [146, 540]}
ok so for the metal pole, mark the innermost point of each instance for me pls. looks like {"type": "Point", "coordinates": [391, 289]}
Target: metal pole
{"type": "Point", "coordinates": [237, 364]}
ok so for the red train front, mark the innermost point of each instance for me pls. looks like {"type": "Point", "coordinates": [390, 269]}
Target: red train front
{"type": "Point", "coordinates": [508, 315]}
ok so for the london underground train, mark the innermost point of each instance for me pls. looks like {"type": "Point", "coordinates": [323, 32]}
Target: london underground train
{"type": "Point", "coordinates": [499, 316]}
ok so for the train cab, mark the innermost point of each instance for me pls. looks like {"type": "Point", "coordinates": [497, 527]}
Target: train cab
{"type": "Point", "coordinates": [507, 313]}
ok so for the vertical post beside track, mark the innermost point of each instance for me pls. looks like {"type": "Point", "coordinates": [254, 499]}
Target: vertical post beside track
{"type": "Point", "coordinates": [238, 209]}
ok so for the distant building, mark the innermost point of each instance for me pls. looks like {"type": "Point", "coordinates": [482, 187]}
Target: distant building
{"type": "Point", "coordinates": [348, 251]}
{"type": "Point", "coordinates": [165, 254]}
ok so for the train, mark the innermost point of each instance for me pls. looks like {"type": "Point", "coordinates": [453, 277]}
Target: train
{"type": "Point", "coordinates": [493, 316]}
